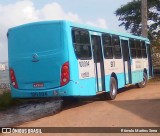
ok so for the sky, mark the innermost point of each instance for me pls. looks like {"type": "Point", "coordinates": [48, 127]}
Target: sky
{"type": "Point", "coordinates": [98, 13]}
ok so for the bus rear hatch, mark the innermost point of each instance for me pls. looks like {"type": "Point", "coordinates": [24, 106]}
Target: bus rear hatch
{"type": "Point", "coordinates": [36, 55]}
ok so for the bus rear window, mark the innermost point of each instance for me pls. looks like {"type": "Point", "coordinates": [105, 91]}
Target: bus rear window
{"type": "Point", "coordinates": [81, 42]}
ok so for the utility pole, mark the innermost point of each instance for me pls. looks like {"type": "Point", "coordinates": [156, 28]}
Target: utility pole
{"type": "Point", "coordinates": [144, 17]}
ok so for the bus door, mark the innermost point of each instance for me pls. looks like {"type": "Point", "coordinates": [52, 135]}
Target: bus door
{"type": "Point", "coordinates": [126, 61]}
{"type": "Point", "coordinates": [98, 62]}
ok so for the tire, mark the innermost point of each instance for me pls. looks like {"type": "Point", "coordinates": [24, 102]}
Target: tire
{"type": "Point", "coordinates": [111, 95]}
{"type": "Point", "coordinates": [144, 82]}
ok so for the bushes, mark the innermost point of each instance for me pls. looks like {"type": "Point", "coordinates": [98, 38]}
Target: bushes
{"type": "Point", "coordinates": [7, 101]}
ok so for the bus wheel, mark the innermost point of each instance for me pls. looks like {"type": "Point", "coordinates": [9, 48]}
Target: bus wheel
{"type": "Point", "coordinates": [111, 95]}
{"type": "Point", "coordinates": [144, 82]}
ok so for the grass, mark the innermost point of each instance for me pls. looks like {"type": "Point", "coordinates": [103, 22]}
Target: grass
{"type": "Point", "coordinates": [7, 101]}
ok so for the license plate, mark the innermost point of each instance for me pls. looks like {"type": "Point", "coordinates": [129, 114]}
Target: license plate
{"type": "Point", "coordinates": [38, 85]}
{"type": "Point", "coordinates": [39, 94]}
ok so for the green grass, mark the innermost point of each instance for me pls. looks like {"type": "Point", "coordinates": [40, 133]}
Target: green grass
{"type": "Point", "coordinates": [7, 101]}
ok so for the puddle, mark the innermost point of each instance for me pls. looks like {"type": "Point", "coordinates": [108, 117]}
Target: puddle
{"type": "Point", "coordinates": [32, 110]}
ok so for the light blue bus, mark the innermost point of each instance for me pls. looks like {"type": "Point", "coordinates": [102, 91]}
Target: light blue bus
{"type": "Point", "coordinates": [62, 58]}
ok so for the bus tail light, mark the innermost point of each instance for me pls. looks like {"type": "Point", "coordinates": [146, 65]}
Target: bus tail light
{"type": "Point", "coordinates": [13, 78]}
{"type": "Point", "coordinates": [65, 77]}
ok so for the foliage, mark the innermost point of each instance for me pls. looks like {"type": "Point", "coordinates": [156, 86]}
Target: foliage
{"type": "Point", "coordinates": [7, 101]}
{"type": "Point", "coordinates": [130, 15]}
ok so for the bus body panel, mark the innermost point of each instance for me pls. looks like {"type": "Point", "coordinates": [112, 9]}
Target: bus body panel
{"type": "Point", "coordinates": [137, 70]}
{"type": "Point", "coordinates": [114, 66]}
{"type": "Point", "coordinates": [83, 77]}
{"type": "Point", "coordinates": [37, 52]}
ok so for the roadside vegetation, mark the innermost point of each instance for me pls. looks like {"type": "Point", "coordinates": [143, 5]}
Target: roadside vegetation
{"type": "Point", "coordinates": [130, 17]}
{"type": "Point", "coordinates": [6, 100]}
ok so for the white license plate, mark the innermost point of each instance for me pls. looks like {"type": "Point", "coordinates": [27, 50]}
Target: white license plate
{"type": "Point", "coordinates": [38, 85]}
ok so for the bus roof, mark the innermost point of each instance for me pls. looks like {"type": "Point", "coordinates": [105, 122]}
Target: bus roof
{"type": "Point", "coordinates": [102, 30]}
{"type": "Point", "coordinates": [87, 27]}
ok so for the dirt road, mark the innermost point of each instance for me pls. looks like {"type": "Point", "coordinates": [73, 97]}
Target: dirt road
{"type": "Point", "coordinates": [132, 108]}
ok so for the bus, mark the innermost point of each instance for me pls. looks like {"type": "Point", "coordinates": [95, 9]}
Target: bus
{"type": "Point", "coordinates": [63, 58]}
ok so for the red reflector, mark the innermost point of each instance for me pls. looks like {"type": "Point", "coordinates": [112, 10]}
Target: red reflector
{"type": "Point", "coordinates": [13, 78]}
{"type": "Point", "coordinates": [65, 74]}
{"type": "Point", "coordinates": [65, 69]}
{"type": "Point", "coordinates": [11, 72]}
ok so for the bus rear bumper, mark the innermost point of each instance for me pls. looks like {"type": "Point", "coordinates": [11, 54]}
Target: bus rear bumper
{"type": "Point", "coordinates": [59, 91]}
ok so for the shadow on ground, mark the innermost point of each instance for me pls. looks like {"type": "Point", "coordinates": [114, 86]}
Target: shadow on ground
{"type": "Point", "coordinates": [147, 109]}
{"type": "Point", "coordinates": [72, 102]}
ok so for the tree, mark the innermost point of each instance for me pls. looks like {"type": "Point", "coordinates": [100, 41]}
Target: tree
{"type": "Point", "coordinates": [130, 15]}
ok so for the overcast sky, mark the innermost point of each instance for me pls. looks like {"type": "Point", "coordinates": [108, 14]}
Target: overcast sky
{"type": "Point", "coordinates": [93, 12]}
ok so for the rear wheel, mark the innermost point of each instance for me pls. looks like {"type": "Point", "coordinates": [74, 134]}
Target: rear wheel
{"type": "Point", "coordinates": [144, 82]}
{"type": "Point", "coordinates": [111, 95]}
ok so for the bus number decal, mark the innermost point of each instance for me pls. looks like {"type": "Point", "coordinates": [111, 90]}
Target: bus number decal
{"type": "Point", "coordinates": [84, 63]}
{"type": "Point", "coordinates": [86, 69]}
{"type": "Point", "coordinates": [84, 75]}
{"type": "Point", "coordinates": [112, 63]}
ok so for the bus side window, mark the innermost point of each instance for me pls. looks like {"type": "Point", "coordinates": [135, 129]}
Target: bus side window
{"type": "Point", "coordinates": [143, 47]}
{"type": "Point", "coordinates": [138, 47]}
{"type": "Point", "coordinates": [81, 42]}
{"type": "Point", "coordinates": [107, 46]}
{"type": "Point", "coordinates": [117, 47]}
{"type": "Point", "coordinates": [132, 48]}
